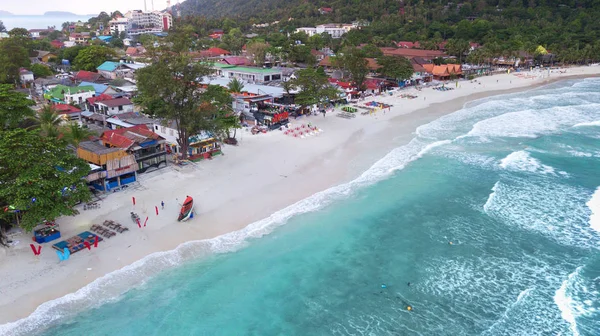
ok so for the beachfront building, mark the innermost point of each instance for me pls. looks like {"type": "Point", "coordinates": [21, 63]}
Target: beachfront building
{"type": "Point", "coordinates": [333, 29]}
{"type": "Point", "coordinates": [110, 167]}
{"type": "Point", "coordinates": [146, 146]}
{"type": "Point", "coordinates": [247, 74]}
{"type": "Point", "coordinates": [201, 146]}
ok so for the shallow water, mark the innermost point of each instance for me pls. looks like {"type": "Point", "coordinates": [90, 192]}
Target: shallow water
{"type": "Point", "coordinates": [487, 214]}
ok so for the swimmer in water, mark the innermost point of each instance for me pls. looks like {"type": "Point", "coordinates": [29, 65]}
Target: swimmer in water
{"type": "Point", "coordinates": [408, 284]}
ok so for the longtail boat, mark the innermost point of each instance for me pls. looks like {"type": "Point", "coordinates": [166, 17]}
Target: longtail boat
{"type": "Point", "coordinates": [186, 209]}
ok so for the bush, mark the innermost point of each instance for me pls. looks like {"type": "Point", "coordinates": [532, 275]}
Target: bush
{"type": "Point", "coordinates": [40, 70]}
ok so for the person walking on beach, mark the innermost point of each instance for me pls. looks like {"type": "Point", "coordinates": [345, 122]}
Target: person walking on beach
{"type": "Point", "coordinates": [162, 204]}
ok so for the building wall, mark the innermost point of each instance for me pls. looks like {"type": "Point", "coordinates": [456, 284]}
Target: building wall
{"type": "Point", "coordinates": [78, 97]}
{"type": "Point", "coordinates": [115, 110]}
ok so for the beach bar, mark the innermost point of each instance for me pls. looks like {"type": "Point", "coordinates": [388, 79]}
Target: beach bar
{"type": "Point", "coordinates": [109, 167]}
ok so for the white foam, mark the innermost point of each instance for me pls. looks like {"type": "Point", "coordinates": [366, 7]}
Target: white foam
{"type": "Point", "coordinates": [586, 124]}
{"type": "Point", "coordinates": [594, 205]}
{"type": "Point", "coordinates": [490, 199]}
{"type": "Point", "coordinates": [532, 123]}
{"type": "Point", "coordinates": [522, 161]}
{"type": "Point", "coordinates": [565, 302]}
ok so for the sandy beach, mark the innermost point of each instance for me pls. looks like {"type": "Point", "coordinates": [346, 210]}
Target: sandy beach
{"type": "Point", "coordinates": [253, 180]}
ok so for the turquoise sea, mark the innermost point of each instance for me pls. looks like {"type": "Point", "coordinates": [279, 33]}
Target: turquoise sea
{"type": "Point", "coordinates": [490, 213]}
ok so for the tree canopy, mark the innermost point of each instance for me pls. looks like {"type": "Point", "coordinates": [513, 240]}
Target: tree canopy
{"type": "Point", "coordinates": [396, 67]}
{"type": "Point", "coordinates": [40, 177]}
{"type": "Point", "coordinates": [314, 87]}
{"type": "Point", "coordinates": [168, 88]}
{"type": "Point", "coordinates": [353, 61]}
{"type": "Point", "coordinates": [91, 57]}
{"type": "Point", "coordinates": [14, 107]}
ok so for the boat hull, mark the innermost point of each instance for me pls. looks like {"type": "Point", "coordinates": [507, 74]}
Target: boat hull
{"type": "Point", "coordinates": [186, 210]}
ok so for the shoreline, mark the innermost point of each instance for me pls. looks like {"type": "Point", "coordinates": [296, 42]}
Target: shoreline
{"type": "Point", "coordinates": [240, 188]}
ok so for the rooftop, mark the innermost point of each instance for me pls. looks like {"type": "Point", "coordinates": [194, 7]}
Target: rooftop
{"type": "Point", "coordinates": [108, 66]}
{"type": "Point", "coordinates": [96, 147]}
{"type": "Point", "coordinates": [116, 102]}
{"type": "Point", "coordinates": [265, 71]}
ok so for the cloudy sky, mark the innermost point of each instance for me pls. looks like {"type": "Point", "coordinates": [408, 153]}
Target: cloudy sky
{"type": "Point", "coordinates": [82, 7]}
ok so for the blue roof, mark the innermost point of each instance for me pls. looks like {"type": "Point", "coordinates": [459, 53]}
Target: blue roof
{"type": "Point", "coordinates": [105, 38]}
{"type": "Point", "coordinates": [99, 88]}
{"type": "Point", "coordinates": [108, 66]}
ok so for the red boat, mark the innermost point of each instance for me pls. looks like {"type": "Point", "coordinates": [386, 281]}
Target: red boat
{"type": "Point", "coordinates": [186, 209]}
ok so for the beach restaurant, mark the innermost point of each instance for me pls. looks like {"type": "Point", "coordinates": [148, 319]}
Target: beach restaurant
{"type": "Point", "coordinates": [273, 115]}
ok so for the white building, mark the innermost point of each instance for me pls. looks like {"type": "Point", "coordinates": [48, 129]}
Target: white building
{"type": "Point", "coordinates": [114, 106]}
{"type": "Point", "coordinates": [334, 30]}
{"type": "Point", "coordinates": [26, 76]}
{"type": "Point", "coordinates": [148, 22]}
{"type": "Point", "coordinates": [119, 25]}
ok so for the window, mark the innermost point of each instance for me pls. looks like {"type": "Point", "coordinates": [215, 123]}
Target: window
{"type": "Point", "coordinates": [120, 107]}
{"type": "Point", "coordinates": [162, 129]}
{"type": "Point", "coordinates": [156, 128]}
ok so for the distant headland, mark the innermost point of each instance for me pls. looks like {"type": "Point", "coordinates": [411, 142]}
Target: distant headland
{"type": "Point", "coordinates": [5, 13]}
{"type": "Point", "coordinates": [55, 13]}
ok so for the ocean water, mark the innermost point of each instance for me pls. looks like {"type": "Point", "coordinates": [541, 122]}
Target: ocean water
{"type": "Point", "coordinates": [487, 223]}
{"type": "Point", "coordinates": [40, 21]}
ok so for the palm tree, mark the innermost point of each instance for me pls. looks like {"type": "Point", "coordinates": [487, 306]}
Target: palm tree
{"type": "Point", "coordinates": [235, 85]}
{"type": "Point", "coordinates": [47, 120]}
{"type": "Point", "coordinates": [74, 134]}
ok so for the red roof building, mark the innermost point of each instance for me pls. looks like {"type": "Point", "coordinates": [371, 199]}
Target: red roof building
{"type": "Point", "coordinates": [57, 44]}
{"type": "Point", "coordinates": [86, 76]}
{"type": "Point", "coordinates": [411, 53]}
{"type": "Point", "coordinates": [65, 109]}
{"type": "Point", "coordinates": [125, 138]}
{"type": "Point", "coordinates": [214, 52]}
{"type": "Point", "coordinates": [99, 98]}
{"type": "Point", "coordinates": [237, 60]}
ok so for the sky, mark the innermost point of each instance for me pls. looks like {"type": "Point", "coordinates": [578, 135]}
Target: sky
{"type": "Point", "coordinates": [81, 7]}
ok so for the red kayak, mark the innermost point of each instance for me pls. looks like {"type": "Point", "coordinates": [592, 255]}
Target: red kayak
{"type": "Point", "coordinates": [186, 209]}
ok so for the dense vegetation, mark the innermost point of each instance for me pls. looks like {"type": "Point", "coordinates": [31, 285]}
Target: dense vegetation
{"type": "Point", "coordinates": [568, 28]}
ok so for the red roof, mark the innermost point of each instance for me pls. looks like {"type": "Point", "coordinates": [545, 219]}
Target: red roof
{"type": "Point", "coordinates": [65, 109]}
{"type": "Point", "coordinates": [214, 52]}
{"type": "Point", "coordinates": [86, 76]}
{"type": "Point", "coordinates": [236, 60]}
{"type": "Point", "coordinates": [373, 83]}
{"type": "Point", "coordinates": [99, 98]}
{"type": "Point", "coordinates": [326, 9]}
{"type": "Point", "coordinates": [126, 137]}
{"type": "Point", "coordinates": [57, 44]}
{"type": "Point", "coordinates": [410, 53]}
{"type": "Point", "coordinates": [408, 44]}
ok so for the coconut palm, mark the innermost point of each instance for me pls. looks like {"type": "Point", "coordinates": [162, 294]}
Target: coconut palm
{"type": "Point", "coordinates": [74, 134]}
{"type": "Point", "coordinates": [235, 85]}
{"type": "Point", "coordinates": [47, 120]}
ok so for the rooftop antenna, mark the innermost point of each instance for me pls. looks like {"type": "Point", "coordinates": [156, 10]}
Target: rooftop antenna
{"type": "Point", "coordinates": [152, 1]}
{"type": "Point", "coordinates": [145, 9]}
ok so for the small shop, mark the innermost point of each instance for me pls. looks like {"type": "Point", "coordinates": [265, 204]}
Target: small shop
{"type": "Point", "coordinates": [203, 147]}
{"type": "Point", "coordinates": [46, 232]}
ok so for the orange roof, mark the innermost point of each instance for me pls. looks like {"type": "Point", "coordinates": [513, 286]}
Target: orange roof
{"type": "Point", "coordinates": [443, 70]}
{"type": "Point", "coordinates": [429, 67]}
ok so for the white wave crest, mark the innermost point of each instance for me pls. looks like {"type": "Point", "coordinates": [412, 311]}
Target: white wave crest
{"type": "Point", "coordinates": [532, 123]}
{"type": "Point", "coordinates": [522, 161]}
{"type": "Point", "coordinates": [588, 124]}
{"type": "Point", "coordinates": [566, 304]}
{"type": "Point", "coordinates": [594, 205]}
{"type": "Point", "coordinates": [490, 199]}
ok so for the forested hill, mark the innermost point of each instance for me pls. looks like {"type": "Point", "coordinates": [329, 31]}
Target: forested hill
{"type": "Point", "coordinates": [501, 24]}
